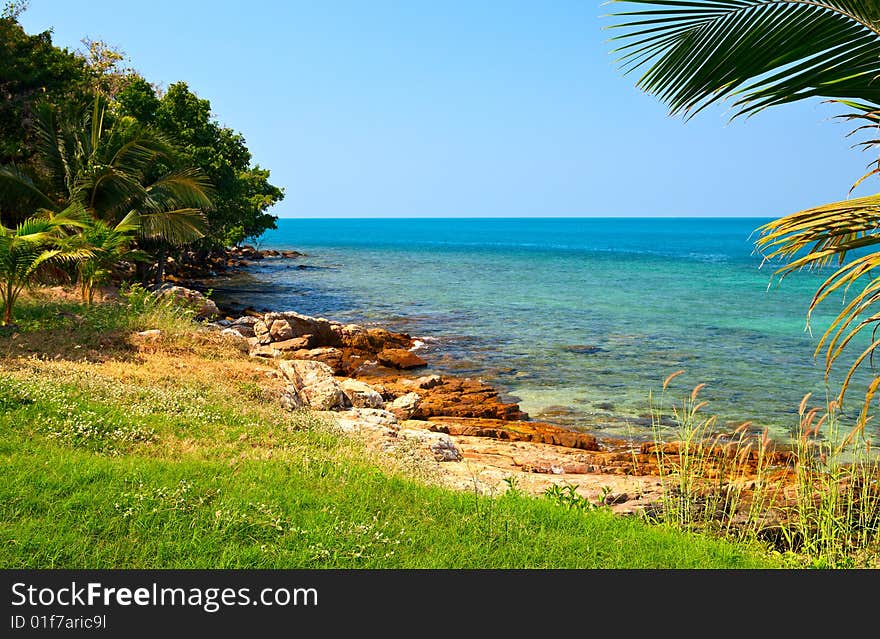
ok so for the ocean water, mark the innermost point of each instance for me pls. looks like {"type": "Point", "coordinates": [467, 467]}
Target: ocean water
{"type": "Point", "coordinates": [578, 319]}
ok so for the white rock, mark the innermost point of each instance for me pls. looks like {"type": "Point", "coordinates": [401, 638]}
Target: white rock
{"type": "Point", "coordinates": [313, 383]}
{"type": "Point", "coordinates": [304, 372]}
{"type": "Point", "coordinates": [323, 395]}
{"type": "Point", "coordinates": [361, 395]}
{"type": "Point", "coordinates": [203, 307]}
{"type": "Point", "coordinates": [405, 405]}
{"type": "Point", "coordinates": [439, 444]}
{"type": "Point", "coordinates": [240, 340]}
{"type": "Point", "coordinates": [373, 416]}
{"type": "Point", "coordinates": [290, 398]}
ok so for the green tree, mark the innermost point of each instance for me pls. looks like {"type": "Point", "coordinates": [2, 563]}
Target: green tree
{"type": "Point", "coordinates": [109, 170]}
{"type": "Point", "coordinates": [243, 193]}
{"type": "Point", "coordinates": [764, 53]}
{"type": "Point", "coordinates": [27, 253]}
{"type": "Point", "coordinates": [32, 69]}
{"type": "Point", "coordinates": [105, 247]}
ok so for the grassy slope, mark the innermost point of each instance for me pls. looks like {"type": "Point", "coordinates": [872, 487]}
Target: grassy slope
{"type": "Point", "coordinates": [175, 454]}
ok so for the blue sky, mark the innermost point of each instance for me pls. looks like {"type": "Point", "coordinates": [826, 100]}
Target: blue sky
{"type": "Point", "coordinates": [461, 108]}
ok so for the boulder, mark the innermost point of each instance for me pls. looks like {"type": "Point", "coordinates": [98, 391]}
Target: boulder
{"type": "Point", "coordinates": [426, 382]}
{"type": "Point", "coordinates": [264, 351]}
{"type": "Point", "coordinates": [361, 395]}
{"type": "Point", "coordinates": [400, 358]}
{"type": "Point", "coordinates": [370, 416]}
{"type": "Point", "coordinates": [375, 340]}
{"type": "Point", "coordinates": [260, 328]}
{"type": "Point", "coordinates": [439, 444]}
{"type": "Point", "coordinates": [301, 325]}
{"type": "Point", "coordinates": [294, 344]}
{"type": "Point", "coordinates": [538, 432]}
{"type": "Point", "coordinates": [325, 394]}
{"type": "Point", "coordinates": [245, 330]}
{"type": "Point", "coordinates": [302, 373]}
{"type": "Point", "coordinates": [466, 398]}
{"type": "Point", "coordinates": [405, 405]}
{"type": "Point", "coordinates": [204, 308]}
{"type": "Point", "coordinates": [237, 338]}
{"type": "Point", "coordinates": [313, 384]}
{"type": "Point", "coordinates": [280, 330]}
{"type": "Point", "coordinates": [329, 355]}
{"type": "Point", "coordinates": [290, 398]}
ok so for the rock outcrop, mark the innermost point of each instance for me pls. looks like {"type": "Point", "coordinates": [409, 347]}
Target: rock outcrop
{"type": "Point", "coordinates": [360, 373]}
{"type": "Point", "coordinates": [204, 308]}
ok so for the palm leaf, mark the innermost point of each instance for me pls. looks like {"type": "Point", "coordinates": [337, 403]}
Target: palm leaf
{"type": "Point", "coordinates": [759, 53]}
{"type": "Point", "coordinates": [815, 238]}
{"type": "Point", "coordinates": [188, 187]}
{"type": "Point", "coordinates": [177, 227]}
{"type": "Point", "coordinates": [19, 190]}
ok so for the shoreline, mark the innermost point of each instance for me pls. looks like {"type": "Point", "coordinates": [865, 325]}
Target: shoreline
{"type": "Point", "coordinates": [239, 261]}
{"type": "Point", "coordinates": [368, 381]}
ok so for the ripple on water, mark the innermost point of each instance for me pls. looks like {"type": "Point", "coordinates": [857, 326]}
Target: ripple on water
{"type": "Point", "coordinates": [503, 300]}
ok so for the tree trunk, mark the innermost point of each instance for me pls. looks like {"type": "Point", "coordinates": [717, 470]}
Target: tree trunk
{"type": "Point", "coordinates": [160, 268]}
{"type": "Point", "coordinates": [7, 306]}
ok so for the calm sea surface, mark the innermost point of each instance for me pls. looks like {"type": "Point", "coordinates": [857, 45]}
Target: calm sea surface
{"type": "Point", "coordinates": [577, 318]}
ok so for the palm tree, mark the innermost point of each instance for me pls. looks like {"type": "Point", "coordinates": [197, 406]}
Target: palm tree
{"type": "Point", "coordinates": [29, 250]}
{"type": "Point", "coordinates": [764, 53]}
{"type": "Point", "coordinates": [111, 170]}
{"type": "Point", "coordinates": [106, 246]}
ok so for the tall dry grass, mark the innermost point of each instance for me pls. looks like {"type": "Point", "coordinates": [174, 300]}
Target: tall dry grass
{"type": "Point", "coordinates": [814, 497]}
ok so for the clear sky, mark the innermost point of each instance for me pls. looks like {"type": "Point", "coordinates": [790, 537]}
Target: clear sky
{"type": "Point", "coordinates": [468, 108]}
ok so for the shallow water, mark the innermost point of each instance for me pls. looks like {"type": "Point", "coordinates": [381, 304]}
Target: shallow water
{"type": "Point", "coordinates": [577, 318]}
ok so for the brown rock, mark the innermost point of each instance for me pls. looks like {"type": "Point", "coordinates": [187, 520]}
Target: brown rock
{"type": "Point", "coordinates": [332, 357]}
{"type": "Point", "coordinates": [294, 344]}
{"type": "Point", "coordinates": [426, 382]}
{"type": "Point", "coordinates": [466, 398]}
{"type": "Point", "coordinates": [372, 340]}
{"type": "Point", "coordinates": [538, 432]}
{"type": "Point", "coordinates": [400, 358]}
{"type": "Point", "coordinates": [320, 328]}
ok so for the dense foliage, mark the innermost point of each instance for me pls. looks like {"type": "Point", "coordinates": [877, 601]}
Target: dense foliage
{"type": "Point", "coordinates": [243, 193]}
{"type": "Point", "coordinates": [77, 128]}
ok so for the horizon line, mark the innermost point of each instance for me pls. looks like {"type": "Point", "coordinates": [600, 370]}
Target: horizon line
{"type": "Point", "coordinates": [527, 217]}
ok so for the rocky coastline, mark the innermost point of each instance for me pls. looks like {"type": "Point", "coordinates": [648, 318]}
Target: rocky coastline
{"type": "Point", "coordinates": [371, 383]}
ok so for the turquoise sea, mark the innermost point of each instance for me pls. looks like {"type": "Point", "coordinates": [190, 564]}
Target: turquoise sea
{"type": "Point", "coordinates": [577, 318]}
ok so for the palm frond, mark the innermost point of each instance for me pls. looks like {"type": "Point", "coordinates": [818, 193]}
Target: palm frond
{"type": "Point", "coordinates": [107, 191]}
{"type": "Point", "coordinates": [177, 227]}
{"type": "Point", "coordinates": [759, 53]}
{"type": "Point", "coordinates": [53, 147]}
{"type": "Point", "coordinates": [188, 187]}
{"type": "Point", "coordinates": [815, 238]}
{"type": "Point", "coordinates": [18, 189]}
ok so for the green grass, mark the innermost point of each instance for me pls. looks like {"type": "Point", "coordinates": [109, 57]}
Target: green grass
{"type": "Point", "coordinates": [181, 458]}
